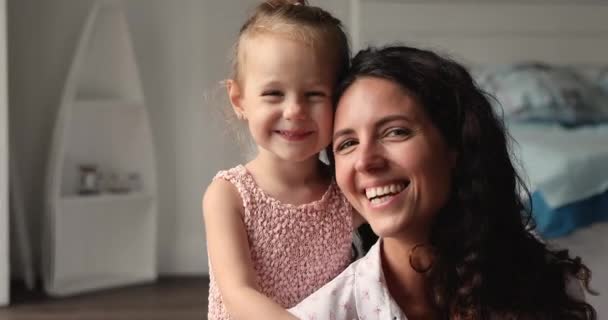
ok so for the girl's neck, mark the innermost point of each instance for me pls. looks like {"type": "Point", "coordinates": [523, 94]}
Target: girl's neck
{"type": "Point", "coordinates": [287, 173]}
{"type": "Point", "coordinates": [290, 182]}
{"type": "Point", "coordinates": [408, 287]}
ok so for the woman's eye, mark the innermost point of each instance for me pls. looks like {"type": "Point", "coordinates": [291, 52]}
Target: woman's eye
{"type": "Point", "coordinates": [398, 132]}
{"type": "Point", "coordinates": [345, 144]}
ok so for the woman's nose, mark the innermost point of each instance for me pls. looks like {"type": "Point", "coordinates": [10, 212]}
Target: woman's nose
{"type": "Point", "coordinates": [370, 158]}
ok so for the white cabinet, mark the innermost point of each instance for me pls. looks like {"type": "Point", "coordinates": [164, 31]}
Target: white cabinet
{"type": "Point", "coordinates": [107, 238]}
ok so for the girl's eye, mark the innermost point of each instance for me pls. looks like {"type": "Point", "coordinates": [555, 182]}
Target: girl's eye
{"type": "Point", "coordinates": [272, 93]}
{"type": "Point", "coordinates": [316, 96]}
{"type": "Point", "coordinates": [313, 94]}
{"type": "Point", "coordinates": [345, 144]}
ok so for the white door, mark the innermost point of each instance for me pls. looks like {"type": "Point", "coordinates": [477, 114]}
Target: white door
{"type": "Point", "coordinates": [4, 238]}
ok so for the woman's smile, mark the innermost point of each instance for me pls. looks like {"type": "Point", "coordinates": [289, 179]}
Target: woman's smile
{"type": "Point", "coordinates": [382, 195]}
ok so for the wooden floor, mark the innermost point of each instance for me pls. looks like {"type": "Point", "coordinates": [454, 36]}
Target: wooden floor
{"type": "Point", "coordinates": [168, 299]}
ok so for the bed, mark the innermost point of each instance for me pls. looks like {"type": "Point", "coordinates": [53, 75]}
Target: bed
{"type": "Point", "coordinates": [565, 162]}
{"type": "Point", "coordinates": [567, 173]}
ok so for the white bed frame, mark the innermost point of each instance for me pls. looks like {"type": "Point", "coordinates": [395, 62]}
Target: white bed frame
{"type": "Point", "coordinates": [490, 32]}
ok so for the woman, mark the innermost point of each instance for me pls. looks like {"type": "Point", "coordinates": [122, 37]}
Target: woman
{"type": "Point", "coordinates": [421, 155]}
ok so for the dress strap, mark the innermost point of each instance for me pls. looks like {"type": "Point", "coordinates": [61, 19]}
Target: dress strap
{"type": "Point", "coordinates": [238, 177]}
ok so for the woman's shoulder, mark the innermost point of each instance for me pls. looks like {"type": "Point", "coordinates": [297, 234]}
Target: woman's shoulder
{"type": "Point", "coordinates": [336, 296]}
{"type": "Point", "coordinates": [358, 292]}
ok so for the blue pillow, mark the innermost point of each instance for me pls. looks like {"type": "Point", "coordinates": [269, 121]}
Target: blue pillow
{"type": "Point", "coordinates": [602, 80]}
{"type": "Point", "coordinates": [594, 75]}
{"type": "Point", "coordinates": [536, 92]}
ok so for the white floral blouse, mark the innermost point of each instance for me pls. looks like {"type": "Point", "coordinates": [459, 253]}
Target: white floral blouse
{"type": "Point", "coordinates": [359, 292]}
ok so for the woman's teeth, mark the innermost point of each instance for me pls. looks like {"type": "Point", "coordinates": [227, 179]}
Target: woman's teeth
{"type": "Point", "coordinates": [380, 200]}
{"type": "Point", "coordinates": [382, 194]}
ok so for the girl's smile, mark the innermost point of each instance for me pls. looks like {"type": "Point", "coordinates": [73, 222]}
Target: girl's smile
{"type": "Point", "coordinates": [294, 135]}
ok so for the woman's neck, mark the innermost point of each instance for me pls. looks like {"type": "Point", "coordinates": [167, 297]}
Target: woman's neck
{"type": "Point", "coordinates": [408, 287]}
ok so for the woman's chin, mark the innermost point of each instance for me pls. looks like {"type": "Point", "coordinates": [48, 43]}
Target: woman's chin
{"type": "Point", "coordinates": [386, 229]}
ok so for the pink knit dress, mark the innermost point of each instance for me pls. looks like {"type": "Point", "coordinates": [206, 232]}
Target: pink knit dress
{"type": "Point", "coordinates": [295, 249]}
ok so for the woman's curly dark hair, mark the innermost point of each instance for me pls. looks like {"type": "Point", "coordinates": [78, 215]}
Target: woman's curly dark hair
{"type": "Point", "coordinates": [488, 261]}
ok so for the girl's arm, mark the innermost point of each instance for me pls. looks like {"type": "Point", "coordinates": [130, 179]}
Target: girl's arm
{"type": "Point", "coordinates": [230, 258]}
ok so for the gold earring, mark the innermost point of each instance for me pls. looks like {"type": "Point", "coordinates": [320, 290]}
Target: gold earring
{"type": "Point", "coordinates": [422, 261]}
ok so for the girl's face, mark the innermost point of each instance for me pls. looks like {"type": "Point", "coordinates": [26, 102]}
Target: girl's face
{"type": "Point", "coordinates": [391, 161]}
{"type": "Point", "coordinates": [285, 95]}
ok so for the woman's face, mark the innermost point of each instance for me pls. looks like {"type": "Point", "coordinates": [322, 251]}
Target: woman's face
{"type": "Point", "coordinates": [391, 161]}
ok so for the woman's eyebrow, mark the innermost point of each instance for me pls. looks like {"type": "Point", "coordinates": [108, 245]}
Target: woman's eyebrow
{"type": "Point", "coordinates": [391, 118]}
{"type": "Point", "coordinates": [379, 123]}
{"type": "Point", "coordinates": [342, 132]}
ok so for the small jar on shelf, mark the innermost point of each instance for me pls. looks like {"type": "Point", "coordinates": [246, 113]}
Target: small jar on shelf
{"type": "Point", "coordinates": [134, 182]}
{"type": "Point", "coordinates": [88, 180]}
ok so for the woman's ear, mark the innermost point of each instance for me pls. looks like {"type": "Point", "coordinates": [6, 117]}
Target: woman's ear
{"type": "Point", "coordinates": [235, 97]}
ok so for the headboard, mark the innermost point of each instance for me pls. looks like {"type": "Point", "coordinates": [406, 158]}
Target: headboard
{"type": "Point", "coordinates": [489, 31]}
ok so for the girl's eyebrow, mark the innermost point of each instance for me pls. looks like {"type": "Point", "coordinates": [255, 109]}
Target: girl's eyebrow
{"type": "Point", "coordinates": [379, 123]}
{"type": "Point", "coordinates": [272, 83]}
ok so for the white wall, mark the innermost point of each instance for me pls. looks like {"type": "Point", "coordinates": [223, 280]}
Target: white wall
{"type": "Point", "coordinates": [42, 37]}
{"type": "Point", "coordinates": [181, 73]}
{"type": "Point", "coordinates": [4, 263]}
{"type": "Point", "coordinates": [183, 52]}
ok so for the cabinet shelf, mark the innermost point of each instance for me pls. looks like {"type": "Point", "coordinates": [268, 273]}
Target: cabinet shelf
{"type": "Point", "coordinates": [92, 242]}
{"type": "Point", "coordinates": [109, 104]}
{"type": "Point", "coordinates": [107, 198]}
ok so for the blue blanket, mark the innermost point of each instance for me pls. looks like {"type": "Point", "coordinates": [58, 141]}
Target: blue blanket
{"type": "Point", "coordinates": [558, 222]}
{"type": "Point", "coordinates": [564, 165]}
{"type": "Point", "coordinates": [567, 173]}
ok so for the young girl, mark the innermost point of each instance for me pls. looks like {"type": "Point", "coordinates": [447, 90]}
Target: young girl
{"type": "Point", "coordinates": [278, 228]}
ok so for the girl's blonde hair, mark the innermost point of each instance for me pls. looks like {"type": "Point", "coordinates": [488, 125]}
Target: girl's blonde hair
{"type": "Point", "coordinates": [296, 20]}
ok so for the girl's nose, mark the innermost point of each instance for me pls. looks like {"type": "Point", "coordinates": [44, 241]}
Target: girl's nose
{"type": "Point", "coordinates": [294, 110]}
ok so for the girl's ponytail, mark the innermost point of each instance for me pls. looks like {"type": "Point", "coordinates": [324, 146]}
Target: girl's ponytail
{"type": "Point", "coordinates": [280, 3]}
